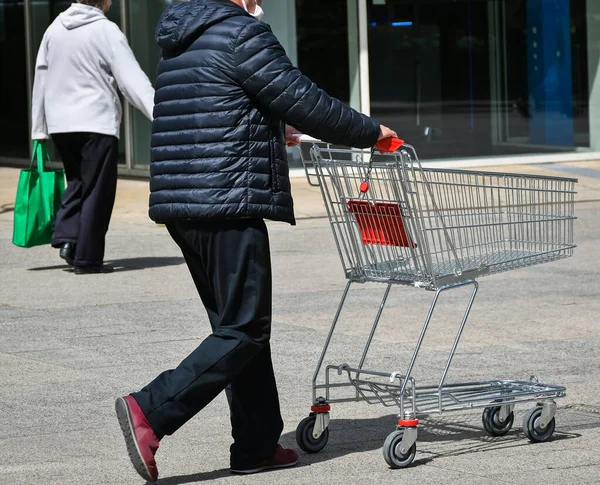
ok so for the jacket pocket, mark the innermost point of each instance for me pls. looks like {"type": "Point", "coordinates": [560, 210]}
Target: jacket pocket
{"type": "Point", "coordinates": [273, 163]}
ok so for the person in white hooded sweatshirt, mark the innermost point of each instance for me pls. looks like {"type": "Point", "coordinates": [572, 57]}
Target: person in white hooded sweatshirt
{"type": "Point", "coordinates": [83, 59]}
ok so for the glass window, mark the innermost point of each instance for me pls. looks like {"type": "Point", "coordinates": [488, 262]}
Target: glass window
{"type": "Point", "coordinates": [143, 19]}
{"type": "Point", "coordinates": [466, 78]}
{"type": "Point", "coordinates": [43, 14]}
{"type": "Point", "coordinates": [322, 50]}
{"type": "Point", "coordinates": [546, 82]}
{"type": "Point", "coordinates": [322, 35]}
{"type": "Point", "coordinates": [281, 16]}
{"type": "Point", "coordinates": [14, 124]}
{"type": "Point", "coordinates": [315, 38]}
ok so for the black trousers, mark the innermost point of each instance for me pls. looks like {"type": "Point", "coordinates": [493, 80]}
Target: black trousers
{"type": "Point", "coordinates": [90, 162]}
{"type": "Point", "coordinates": [230, 264]}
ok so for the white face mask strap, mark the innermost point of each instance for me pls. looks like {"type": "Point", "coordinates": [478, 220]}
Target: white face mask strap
{"type": "Point", "coordinates": [258, 11]}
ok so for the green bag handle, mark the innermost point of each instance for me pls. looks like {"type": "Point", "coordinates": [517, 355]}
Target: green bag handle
{"type": "Point", "coordinates": [40, 154]}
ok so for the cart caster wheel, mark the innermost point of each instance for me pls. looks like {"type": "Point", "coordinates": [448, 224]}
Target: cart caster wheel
{"type": "Point", "coordinates": [392, 454]}
{"type": "Point", "coordinates": [493, 424]}
{"type": "Point", "coordinates": [305, 439]}
{"type": "Point", "coordinates": [532, 429]}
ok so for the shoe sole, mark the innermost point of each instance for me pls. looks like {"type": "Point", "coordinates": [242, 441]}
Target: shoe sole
{"type": "Point", "coordinates": [80, 272]}
{"type": "Point", "coordinates": [263, 468]}
{"type": "Point", "coordinates": [126, 423]}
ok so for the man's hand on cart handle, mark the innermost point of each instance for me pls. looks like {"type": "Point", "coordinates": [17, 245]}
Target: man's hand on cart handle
{"type": "Point", "coordinates": [292, 136]}
{"type": "Point", "coordinates": [387, 133]}
{"type": "Point", "coordinates": [388, 140]}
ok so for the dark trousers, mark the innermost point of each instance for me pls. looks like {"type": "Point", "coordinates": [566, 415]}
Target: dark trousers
{"type": "Point", "coordinates": [231, 267]}
{"type": "Point", "coordinates": [90, 162]}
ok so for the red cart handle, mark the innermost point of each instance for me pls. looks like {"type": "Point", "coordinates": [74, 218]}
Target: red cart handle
{"type": "Point", "coordinates": [389, 145]}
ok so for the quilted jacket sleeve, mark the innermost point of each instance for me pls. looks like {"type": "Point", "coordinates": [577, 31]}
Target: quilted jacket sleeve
{"type": "Point", "coordinates": [268, 76]}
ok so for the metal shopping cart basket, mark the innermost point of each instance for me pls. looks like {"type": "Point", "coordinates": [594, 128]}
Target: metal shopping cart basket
{"type": "Point", "coordinates": [395, 222]}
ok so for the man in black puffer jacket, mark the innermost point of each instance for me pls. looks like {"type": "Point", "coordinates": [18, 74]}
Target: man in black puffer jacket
{"type": "Point", "coordinates": [224, 92]}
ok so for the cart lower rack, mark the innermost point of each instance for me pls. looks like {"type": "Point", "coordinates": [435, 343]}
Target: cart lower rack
{"type": "Point", "coordinates": [395, 222]}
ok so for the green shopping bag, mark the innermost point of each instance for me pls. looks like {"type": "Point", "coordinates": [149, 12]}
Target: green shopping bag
{"type": "Point", "coordinates": [38, 199]}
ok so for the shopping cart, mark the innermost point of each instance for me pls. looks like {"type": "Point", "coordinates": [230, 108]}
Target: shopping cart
{"type": "Point", "coordinates": [395, 222]}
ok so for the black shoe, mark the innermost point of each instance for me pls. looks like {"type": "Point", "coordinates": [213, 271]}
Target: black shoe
{"type": "Point", "coordinates": [101, 269]}
{"type": "Point", "coordinates": [67, 252]}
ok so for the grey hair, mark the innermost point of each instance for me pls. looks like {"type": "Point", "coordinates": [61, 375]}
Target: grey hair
{"type": "Point", "coordinates": [93, 3]}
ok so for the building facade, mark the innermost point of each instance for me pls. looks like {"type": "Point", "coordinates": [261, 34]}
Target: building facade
{"type": "Point", "coordinates": [459, 79]}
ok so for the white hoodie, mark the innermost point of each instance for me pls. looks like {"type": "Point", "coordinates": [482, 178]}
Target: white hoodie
{"type": "Point", "coordinates": [82, 59]}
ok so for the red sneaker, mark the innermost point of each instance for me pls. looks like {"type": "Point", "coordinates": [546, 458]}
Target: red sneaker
{"type": "Point", "coordinates": [140, 439]}
{"type": "Point", "coordinates": [283, 458]}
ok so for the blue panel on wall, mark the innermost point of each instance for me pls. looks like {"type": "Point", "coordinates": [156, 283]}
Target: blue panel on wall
{"type": "Point", "coordinates": [549, 72]}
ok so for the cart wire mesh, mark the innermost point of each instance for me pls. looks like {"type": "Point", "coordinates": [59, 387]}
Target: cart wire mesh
{"type": "Point", "coordinates": [397, 222]}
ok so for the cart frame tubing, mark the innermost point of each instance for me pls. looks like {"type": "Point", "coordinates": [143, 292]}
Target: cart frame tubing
{"type": "Point", "coordinates": [447, 229]}
{"type": "Point", "coordinates": [328, 340]}
{"type": "Point", "coordinates": [407, 377]}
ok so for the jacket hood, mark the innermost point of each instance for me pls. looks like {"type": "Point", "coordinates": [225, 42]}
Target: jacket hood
{"type": "Point", "coordinates": [182, 23]}
{"type": "Point", "coordinates": [78, 15]}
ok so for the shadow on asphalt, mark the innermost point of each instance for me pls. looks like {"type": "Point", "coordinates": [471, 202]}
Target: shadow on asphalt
{"type": "Point", "coordinates": [459, 436]}
{"type": "Point", "coordinates": [7, 208]}
{"type": "Point", "coordinates": [64, 267]}
{"type": "Point", "coordinates": [120, 265]}
{"type": "Point", "coordinates": [193, 478]}
{"type": "Point", "coordinates": [135, 264]}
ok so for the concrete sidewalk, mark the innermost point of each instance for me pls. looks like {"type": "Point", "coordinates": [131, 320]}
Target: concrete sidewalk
{"type": "Point", "coordinates": [69, 345]}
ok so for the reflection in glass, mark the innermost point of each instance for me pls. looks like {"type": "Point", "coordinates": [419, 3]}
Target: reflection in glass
{"type": "Point", "coordinates": [481, 78]}
{"type": "Point", "coordinates": [14, 125]}
{"type": "Point", "coordinates": [143, 18]}
{"type": "Point", "coordinates": [322, 35]}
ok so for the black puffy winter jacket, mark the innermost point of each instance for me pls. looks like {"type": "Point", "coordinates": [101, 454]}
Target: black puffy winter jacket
{"type": "Point", "coordinates": [224, 90]}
